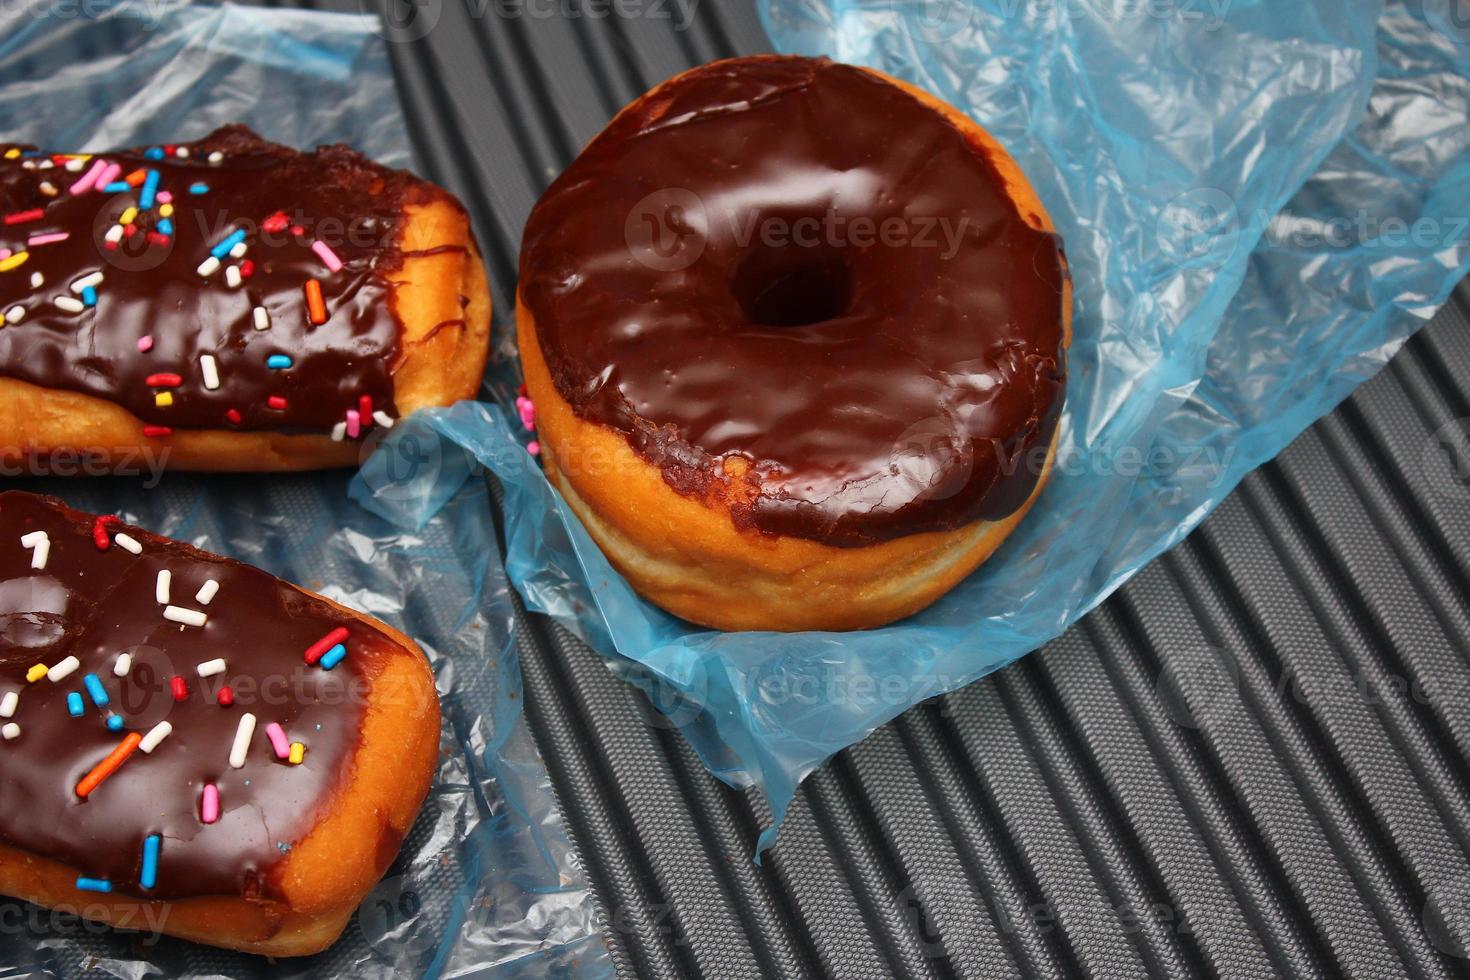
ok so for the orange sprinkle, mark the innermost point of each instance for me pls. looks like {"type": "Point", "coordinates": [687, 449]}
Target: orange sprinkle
{"type": "Point", "coordinates": [109, 765]}
{"type": "Point", "coordinates": [316, 307]}
{"type": "Point", "coordinates": [136, 177]}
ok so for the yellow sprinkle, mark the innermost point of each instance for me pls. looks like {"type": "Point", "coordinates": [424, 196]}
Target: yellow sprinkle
{"type": "Point", "coordinates": [7, 264]}
{"type": "Point", "coordinates": [36, 673]}
{"type": "Point", "coordinates": [298, 752]}
{"type": "Point", "coordinates": [126, 218]}
{"type": "Point", "coordinates": [163, 399]}
{"type": "Point", "coordinates": [166, 210]}
{"type": "Point", "coordinates": [12, 153]}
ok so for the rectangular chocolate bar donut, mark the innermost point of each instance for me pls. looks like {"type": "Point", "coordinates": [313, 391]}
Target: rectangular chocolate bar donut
{"type": "Point", "coordinates": [227, 304]}
{"type": "Point", "coordinates": [191, 746]}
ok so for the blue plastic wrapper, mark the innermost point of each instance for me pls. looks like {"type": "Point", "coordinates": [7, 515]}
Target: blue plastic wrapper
{"type": "Point", "coordinates": [1259, 200]}
{"type": "Point", "coordinates": [485, 883]}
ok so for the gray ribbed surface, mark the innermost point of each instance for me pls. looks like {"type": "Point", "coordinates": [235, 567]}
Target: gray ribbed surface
{"type": "Point", "coordinates": [1234, 747]}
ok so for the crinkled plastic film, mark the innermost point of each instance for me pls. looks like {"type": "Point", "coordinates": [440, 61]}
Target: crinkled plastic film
{"type": "Point", "coordinates": [485, 883]}
{"type": "Point", "coordinates": [1225, 176]}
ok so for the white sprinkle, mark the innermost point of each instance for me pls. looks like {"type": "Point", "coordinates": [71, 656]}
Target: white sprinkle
{"type": "Point", "coordinates": [40, 542]}
{"type": "Point", "coordinates": [210, 367]}
{"type": "Point", "coordinates": [211, 667]}
{"type": "Point", "coordinates": [182, 152]}
{"type": "Point", "coordinates": [232, 276]}
{"type": "Point", "coordinates": [160, 589]}
{"type": "Point", "coordinates": [69, 304]}
{"type": "Point", "coordinates": [243, 734]}
{"type": "Point", "coordinates": [339, 432]}
{"type": "Point", "coordinates": [45, 165]}
{"type": "Point", "coordinates": [123, 666]}
{"type": "Point", "coordinates": [11, 732]}
{"type": "Point", "coordinates": [114, 234]}
{"type": "Point", "coordinates": [8, 704]}
{"type": "Point", "coordinates": [384, 419]}
{"type": "Point", "coordinates": [216, 157]}
{"type": "Point", "coordinates": [28, 164]}
{"type": "Point", "coordinates": [91, 279]}
{"type": "Point", "coordinates": [49, 189]}
{"type": "Point", "coordinates": [189, 617]}
{"type": "Point", "coordinates": [238, 250]}
{"type": "Point", "coordinates": [155, 735]}
{"type": "Point", "coordinates": [208, 267]}
{"type": "Point", "coordinates": [75, 164]}
{"type": "Point", "coordinates": [207, 592]}
{"type": "Point", "coordinates": [127, 543]}
{"type": "Point", "coordinates": [262, 318]}
{"type": "Point", "coordinates": [63, 670]}
{"type": "Point", "coordinates": [15, 314]}
{"type": "Point", "coordinates": [37, 280]}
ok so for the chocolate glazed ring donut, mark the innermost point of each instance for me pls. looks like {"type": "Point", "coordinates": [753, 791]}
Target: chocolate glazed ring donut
{"type": "Point", "coordinates": [796, 334]}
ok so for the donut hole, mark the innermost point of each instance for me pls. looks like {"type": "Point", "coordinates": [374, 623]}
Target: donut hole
{"type": "Point", "coordinates": [791, 284]}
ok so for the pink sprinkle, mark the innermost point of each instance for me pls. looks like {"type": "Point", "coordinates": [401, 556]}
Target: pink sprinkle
{"type": "Point", "coordinates": [89, 178]}
{"type": "Point", "coordinates": [108, 175]}
{"type": "Point", "coordinates": [277, 735]}
{"type": "Point", "coordinates": [47, 239]}
{"type": "Point", "coordinates": [163, 197]}
{"type": "Point", "coordinates": [4, 254]}
{"type": "Point", "coordinates": [354, 424]}
{"type": "Point", "coordinates": [145, 344]}
{"type": "Point", "coordinates": [533, 447]}
{"type": "Point", "coordinates": [328, 257]}
{"type": "Point", "coordinates": [209, 806]}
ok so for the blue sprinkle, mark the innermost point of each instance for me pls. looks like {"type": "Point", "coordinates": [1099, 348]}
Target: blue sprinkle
{"type": "Point", "coordinates": [74, 706]}
{"type": "Point", "coordinates": [166, 226]}
{"type": "Point", "coordinates": [89, 296]}
{"type": "Point", "coordinates": [230, 241]}
{"type": "Point", "coordinates": [116, 187]}
{"type": "Point", "coordinates": [278, 361]}
{"type": "Point", "coordinates": [199, 188]}
{"type": "Point", "coordinates": [94, 885]}
{"type": "Point", "coordinates": [154, 153]}
{"type": "Point", "coordinates": [333, 657]}
{"type": "Point", "coordinates": [114, 723]}
{"type": "Point", "coordinates": [149, 876]}
{"type": "Point", "coordinates": [96, 690]}
{"type": "Point", "coordinates": [150, 188]}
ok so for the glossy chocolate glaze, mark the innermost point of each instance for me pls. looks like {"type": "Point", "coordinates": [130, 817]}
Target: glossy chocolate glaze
{"type": "Point", "coordinates": [153, 288]}
{"type": "Point", "coordinates": [877, 385]}
{"type": "Point", "coordinates": [95, 604]}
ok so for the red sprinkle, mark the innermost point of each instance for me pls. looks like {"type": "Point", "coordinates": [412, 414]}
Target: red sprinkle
{"type": "Point", "coordinates": [170, 149]}
{"type": "Point", "coordinates": [110, 246]}
{"type": "Point", "coordinates": [297, 230]}
{"type": "Point", "coordinates": [99, 531]}
{"type": "Point", "coordinates": [157, 238]}
{"type": "Point", "coordinates": [130, 230]}
{"type": "Point", "coordinates": [365, 410]}
{"type": "Point", "coordinates": [225, 697]}
{"type": "Point", "coordinates": [276, 222]}
{"type": "Point", "coordinates": [315, 651]}
{"type": "Point", "coordinates": [276, 402]}
{"type": "Point", "coordinates": [164, 380]}
{"type": "Point", "coordinates": [157, 431]}
{"type": "Point", "coordinates": [233, 416]}
{"type": "Point", "coordinates": [247, 269]}
{"type": "Point", "coordinates": [21, 217]}
{"type": "Point", "coordinates": [180, 688]}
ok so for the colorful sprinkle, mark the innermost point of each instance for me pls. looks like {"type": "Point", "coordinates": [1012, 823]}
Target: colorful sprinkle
{"type": "Point", "coordinates": [339, 432]}
{"type": "Point", "coordinates": [95, 690]}
{"type": "Point", "coordinates": [123, 665]}
{"type": "Point", "coordinates": [179, 687]}
{"type": "Point", "coordinates": [18, 258]}
{"type": "Point", "coordinates": [50, 238]}
{"type": "Point", "coordinates": [279, 742]}
{"type": "Point", "coordinates": [89, 179]}
{"type": "Point", "coordinates": [8, 704]}
{"type": "Point", "coordinates": [165, 226]}
{"type": "Point", "coordinates": [232, 276]}
{"type": "Point", "coordinates": [116, 187]}
{"type": "Point", "coordinates": [126, 541]}
{"type": "Point", "coordinates": [89, 296]}
{"type": "Point", "coordinates": [262, 318]}
{"type": "Point", "coordinates": [74, 705]}
{"type": "Point", "coordinates": [109, 765]}
{"type": "Point", "coordinates": [150, 190]}
{"type": "Point", "coordinates": [108, 175]}
{"type": "Point", "coordinates": [276, 222]}
{"type": "Point", "coordinates": [225, 697]}
{"type": "Point", "coordinates": [157, 431]}
{"type": "Point", "coordinates": [211, 667]}
{"type": "Point", "coordinates": [40, 545]}
{"type": "Point", "coordinates": [161, 586]}
{"type": "Point", "coordinates": [15, 314]}
{"type": "Point", "coordinates": [68, 304]}
{"type": "Point", "coordinates": [22, 217]}
{"type": "Point", "coordinates": [94, 885]}
{"type": "Point", "coordinates": [129, 215]}
{"type": "Point", "coordinates": [208, 267]}
{"type": "Point", "coordinates": [155, 736]}
{"type": "Point", "coordinates": [209, 804]}
{"type": "Point", "coordinates": [329, 258]}
{"type": "Point", "coordinates": [298, 753]}
{"type": "Point", "coordinates": [276, 402]}
{"type": "Point", "coordinates": [114, 723]}
{"type": "Point", "coordinates": [333, 657]}
{"type": "Point", "coordinates": [209, 367]}
{"type": "Point", "coordinates": [63, 670]}
{"type": "Point", "coordinates": [316, 307]}
{"type": "Point", "coordinates": [148, 877]}
{"type": "Point", "coordinates": [37, 280]}
{"type": "Point", "coordinates": [145, 344]}
{"type": "Point", "coordinates": [354, 424]}
{"type": "Point", "coordinates": [222, 248]}
{"type": "Point", "coordinates": [164, 379]}
{"type": "Point", "coordinates": [243, 735]}
{"type": "Point", "coordinates": [37, 672]}
{"type": "Point", "coordinates": [278, 361]}
{"type": "Point", "coordinates": [233, 416]}
{"type": "Point", "coordinates": [199, 188]}
{"type": "Point", "coordinates": [314, 652]}
{"type": "Point", "coordinates": [11, 732]}
{"type": "Point", "coordinates": [163, 399]}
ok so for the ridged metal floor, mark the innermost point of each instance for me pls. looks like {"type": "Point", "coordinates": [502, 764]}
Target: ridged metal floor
{"type": "Point", "coordinates": [1251, 761]}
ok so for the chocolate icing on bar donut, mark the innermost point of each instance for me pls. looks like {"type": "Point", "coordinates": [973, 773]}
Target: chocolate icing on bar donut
{"type": "Point", "coordinates": [97, 604]}
{"type": "Point", "coordinates": [793, 263]}
{"type": "Point", "coordinates": [180, 330]}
